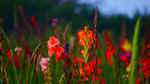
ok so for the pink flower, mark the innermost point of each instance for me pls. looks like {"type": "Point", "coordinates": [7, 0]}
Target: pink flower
{"type": "Point", "coordinates": [43, 63]}
{"type": "Point", "coordinates": [18, 50]}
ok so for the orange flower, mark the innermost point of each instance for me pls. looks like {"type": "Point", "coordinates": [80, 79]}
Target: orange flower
{"type": "Point", "coordinates": [81, 42]}
{"type": "Point", "coordinates": [82, 72]}
{"type": "Point", "coordinates": [81, 34]}
{"type": "Point", "coordinates": [90, 35]}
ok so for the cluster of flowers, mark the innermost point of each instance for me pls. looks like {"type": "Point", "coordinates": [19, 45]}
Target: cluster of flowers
{"type": "Point", "coordinates": [88, 69]}
{"type": "Point", "coordinates": [110, 48]}
{"type": "Point", "coordinates": [85, 68]}
{"type": "Point", "coordinates": [126, 58]}
{"type": "Point", "coordinates": [44, 64]}
{"type": "Point", "coordinates": [85, 37]}
{"type": "Point", "coordinates": [146, 67]}
{"type": "Point", "coordinates": [125, 53]}
{"type": "Point", "coordinates": [54, 47]}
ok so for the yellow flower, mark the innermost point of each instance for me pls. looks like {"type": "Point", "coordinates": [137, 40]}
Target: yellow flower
{"type": "Point", "coordinates": [128, 69]}
{"type": "Point", "coordinates": [127, 46]}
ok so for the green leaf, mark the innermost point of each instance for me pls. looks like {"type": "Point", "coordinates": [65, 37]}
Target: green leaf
{"type": "Point", "coordinates": [133, 63]}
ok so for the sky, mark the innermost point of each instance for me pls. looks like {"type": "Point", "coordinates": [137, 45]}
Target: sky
{"type": "Point", "coordinates": [126, 7]}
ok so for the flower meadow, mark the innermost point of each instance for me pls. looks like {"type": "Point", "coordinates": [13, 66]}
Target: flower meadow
{"type": "Point", "coordinates": [88, 57]}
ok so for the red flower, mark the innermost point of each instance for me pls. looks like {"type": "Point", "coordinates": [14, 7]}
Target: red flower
{"type": "Point", "coordinates": [74, 74]}
{"type": "Point", "coordinates": [81, 61]}
{"type": "Point", "coordinates": [108, 42]}
{"type": "Point", "coordinates": [110, 62]}
{"type": "Point", "coordinates": [86, 66]}
{"type": "Point", "coordinates": [139, 81]}
{"type": "Point", "coordinates": [98, 43]}
{"type": "Point", "coordinates": [86, 78]}
{"type": "Point", "coordinates": [146, 67]}
{"type": "Point", "coordinates": [99, 71]}
{"type": "Point", "coordinates": [53, 47]}
{"type": "Point", "coordinates": [126, 63]}
{"type": "Point", "coordinates": [124, 58]}
{"type": "Point", "coordinates": [108, 54]}
{"type": "Point", "coordinates": [93, 77]}
{"type": "Point", "coordinates": [76, 61]}
{"type": "Point", "coordinates": [32, 18]}
{"type": "Point", "coordinates": [52, 42]}
{"type": "Point", "coordinates": [16, 59]}
{"type": "Point", "coordinates": [59, 51]}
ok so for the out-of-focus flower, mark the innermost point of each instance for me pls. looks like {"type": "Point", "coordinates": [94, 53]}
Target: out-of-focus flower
{"type": "Point", "coordinates": [111, 63]}
{"type": "Point", "coordinates": [108, 42]}
{"type": "Point", "coordinates": [74, 74]}
{"type": "Point", "coordinates": [82, 72]}
{"type": "Point", "coordinates": [54, 21]}
{"type": "Point", "coordinates": [146, 67]}
{"type": "Point", "coordinates": [32, 18]}
{"type": "Point", "coordinates": [18, 50]}
{"type": "Point", "coordinates": [139, 81]}
{"type": "Point", "coordinates": [126, 58]}
{"type": "Point", "coordinates": [108, 54]}
{"type": "Point", "coordinates": [86, 78]}
{"type": "Point", "coordinates": [16, 59]}
{"type": "Point", "coordinates": [1, 20]}
{"type": "Point", "coordinates": [126, 46]}
{"type": "Point", "coordinates": [125, 76]}
{"type": "Point", "coordinates": [128, 69]}
{"type": "Point", "coordinates": [44, 62]}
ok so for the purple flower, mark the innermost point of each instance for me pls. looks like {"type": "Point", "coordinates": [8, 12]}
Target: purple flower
{"type": "Point", "coordinates": [54, 21]}
{"type": "Point", "coordinates": [128, 56]}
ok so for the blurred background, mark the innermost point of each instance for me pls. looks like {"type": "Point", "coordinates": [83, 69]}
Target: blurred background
{"type": "Point", "coordinates": [113, 14]}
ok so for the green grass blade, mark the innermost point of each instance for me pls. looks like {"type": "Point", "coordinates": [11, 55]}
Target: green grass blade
{"type": "Point", "coordinates": [134, 52]}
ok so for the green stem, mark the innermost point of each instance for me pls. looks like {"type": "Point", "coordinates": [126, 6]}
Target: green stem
{"type": "Point", "coordinates": [62, 77]}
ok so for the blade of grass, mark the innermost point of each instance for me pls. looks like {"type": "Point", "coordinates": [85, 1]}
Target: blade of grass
{"type": "Point", "coordinates": [134, 52]}
{"type": "Point", "coordinates": [34, 64]}
{"type": "Point", "coordinates": [11, 54]}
